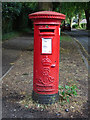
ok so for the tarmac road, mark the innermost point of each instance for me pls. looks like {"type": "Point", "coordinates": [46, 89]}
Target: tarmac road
{"type": "Point", "coordinates": [82, 36]}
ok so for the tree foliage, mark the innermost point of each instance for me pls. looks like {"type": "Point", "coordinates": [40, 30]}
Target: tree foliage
{"type": "Point", "coordinates": [15, 14]}
{"type": "Point", "coordinates": [9, 13]}
{"type": "Point", "coordinates": [72, 9]}
{"type": "Point", "coordinates": [11, 10]}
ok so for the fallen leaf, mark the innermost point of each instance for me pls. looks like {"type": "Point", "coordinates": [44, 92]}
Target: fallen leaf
{"type": "Point", "coordinates": [12, 63]}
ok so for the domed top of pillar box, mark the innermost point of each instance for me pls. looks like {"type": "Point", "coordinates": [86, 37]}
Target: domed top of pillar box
{"type": "Point", "coordinates": [47, 16]}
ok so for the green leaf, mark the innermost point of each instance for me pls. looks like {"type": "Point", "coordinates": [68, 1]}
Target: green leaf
{"type": "Point", "coordinates": [60, 87]}
{"type": "Point", "coordinates": [26, 106]}
{"type": "Point", "coordinates": [64, 98]}
{"type": "Point", "coordinates": [67, 87]}
{"type": "Point", "coordinates": [68, 100]}
{"type": "Point", "coordinates": [67, 96]}
{"type": "Point", "coordinates": [73, 87]}
{"type": "Point", "coordinates": [69, 92]}
{"type": "Point", "coordinates": [75, 93]}
{"type": "Point", "coordinates": [63, 93]}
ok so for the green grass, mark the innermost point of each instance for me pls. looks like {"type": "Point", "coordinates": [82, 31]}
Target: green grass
{"type": "Point", "coordinates": [14, 34]}
{"type": "Point", "coordinates": [65, 37]}
{"type": "Point", "coordinates": [10, 35]}
{"type": "Point", "coordinates": [26, 30]}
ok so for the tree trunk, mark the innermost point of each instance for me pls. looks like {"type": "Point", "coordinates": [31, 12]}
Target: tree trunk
{"type": "Point", "coordinates": [79, 19]}
{"type": "Point", "coordinates": [87, 18]}
{"type": "Point", "coordinates": [64, 23]}
{"type": "Point", "coordinates": [71, 22]}
{"type": "Point", "coordinates": [48, 6]}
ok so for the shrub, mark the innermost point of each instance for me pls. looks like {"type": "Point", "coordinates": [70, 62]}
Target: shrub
{"type": "Point", "coordinates": [83, 25]}
{"type": "Point", "coordinates": [66, 92]}
{"type": "Point", "coordinates": [75, 26]}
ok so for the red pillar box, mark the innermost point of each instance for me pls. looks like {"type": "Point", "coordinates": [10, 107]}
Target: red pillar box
{"type": "Point", "coordinates": [46, 55]}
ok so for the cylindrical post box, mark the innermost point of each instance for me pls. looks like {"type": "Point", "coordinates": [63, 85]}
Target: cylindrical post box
{"type": "Point", "coordinates": [46, 55]}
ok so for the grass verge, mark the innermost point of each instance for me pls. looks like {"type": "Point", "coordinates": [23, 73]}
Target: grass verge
{"type": "Point", "coordinates": [65, 37]}
{"type": "Point", "coordinates": [10, 35]}
{"type": "Point", "coordinates": [15, 34]}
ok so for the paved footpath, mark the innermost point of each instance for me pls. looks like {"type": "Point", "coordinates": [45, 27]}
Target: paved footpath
{"type": "Point", "coordinates": [11, 50]}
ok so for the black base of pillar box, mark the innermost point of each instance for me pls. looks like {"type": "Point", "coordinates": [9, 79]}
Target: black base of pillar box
{"type": "Point", "coordinates": [45, 99]}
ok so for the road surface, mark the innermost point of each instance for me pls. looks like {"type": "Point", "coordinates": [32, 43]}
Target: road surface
{"type": "Point", "coordinates": [82, 36]}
